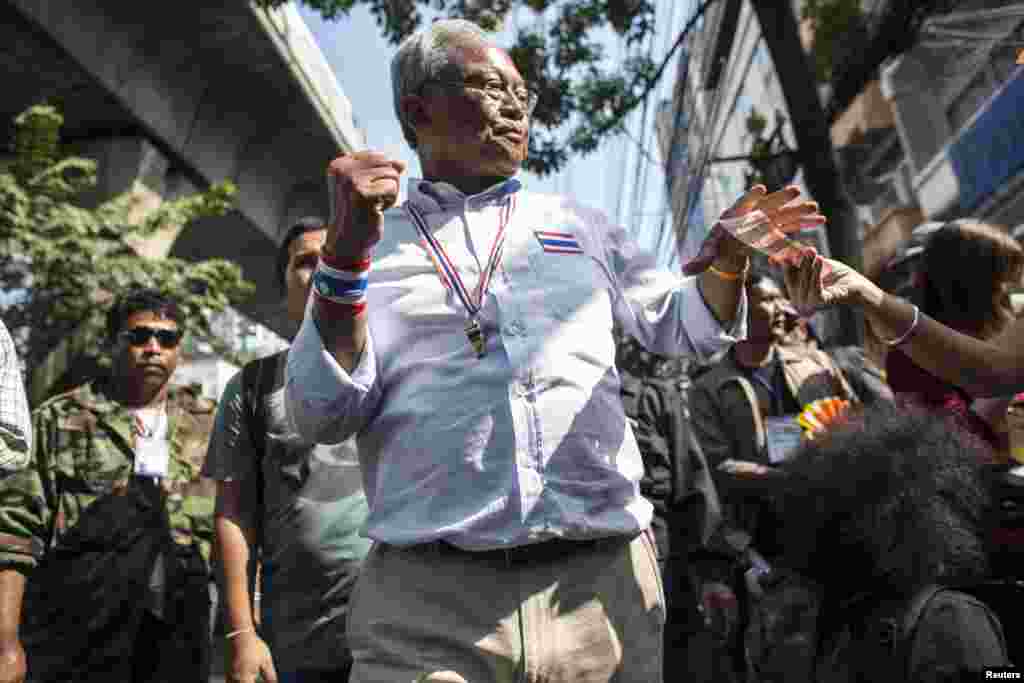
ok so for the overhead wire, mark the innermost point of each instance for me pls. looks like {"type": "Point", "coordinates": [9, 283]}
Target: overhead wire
{"type": "Point", "coordinates": [640, 175]}
{"type": "Point", "coordinates": [710, 121]}
{"type": "Point", "coordinates": [664, 16]}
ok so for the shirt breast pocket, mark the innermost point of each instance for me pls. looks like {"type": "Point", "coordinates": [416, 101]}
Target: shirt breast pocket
{"type": "Point", "coordinates": [85, 466]}
{"type": "Point", "coordinates": [572, 285]}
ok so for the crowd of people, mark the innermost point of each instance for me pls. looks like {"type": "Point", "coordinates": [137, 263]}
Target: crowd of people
{"type": "Point", "coordinates": [504, 446]}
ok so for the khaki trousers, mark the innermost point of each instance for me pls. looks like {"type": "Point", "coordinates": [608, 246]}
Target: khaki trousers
{"type": "Point", "coordinates": [555, 612]}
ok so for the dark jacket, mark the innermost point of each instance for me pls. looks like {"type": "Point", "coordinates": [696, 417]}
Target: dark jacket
{"type": "Point", "coordinates": [729, 423]}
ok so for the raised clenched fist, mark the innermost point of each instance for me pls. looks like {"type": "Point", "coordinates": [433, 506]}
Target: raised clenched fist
{"type": "Point", "coordinates": [361, 186]}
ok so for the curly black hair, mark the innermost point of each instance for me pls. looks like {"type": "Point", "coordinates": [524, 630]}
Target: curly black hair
{"type": "Point", "coordinates": [142, 300]}
{"type": "Point", "coordinates": [890, 501]}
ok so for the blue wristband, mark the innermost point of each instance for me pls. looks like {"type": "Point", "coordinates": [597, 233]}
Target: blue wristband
{"type": "Point", "coordinates": [342, 286]}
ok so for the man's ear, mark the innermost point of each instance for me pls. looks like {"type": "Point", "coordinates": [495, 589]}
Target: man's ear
{"type": "Point", "coordinates": [415, 111]}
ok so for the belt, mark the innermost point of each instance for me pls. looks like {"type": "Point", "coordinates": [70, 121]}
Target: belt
{"type": "Point", "coordinates": [543, 551]}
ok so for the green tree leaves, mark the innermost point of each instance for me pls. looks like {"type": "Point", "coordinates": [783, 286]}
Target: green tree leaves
{"type": "Point", "coordinates": [61, 263]}
{"type": "Point", "coordinates": [838, 25]}
{"type": "Point", "coordinates": [582, 96]}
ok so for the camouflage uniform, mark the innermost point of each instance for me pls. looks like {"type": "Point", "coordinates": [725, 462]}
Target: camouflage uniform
{"type": "Point", "coordinates": [84, 448]}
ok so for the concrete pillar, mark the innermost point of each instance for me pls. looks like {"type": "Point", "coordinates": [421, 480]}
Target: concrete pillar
{"type": "Point", "coordinates": [132, 164]}
{"type": "Point", "coordinates": [304, 199]}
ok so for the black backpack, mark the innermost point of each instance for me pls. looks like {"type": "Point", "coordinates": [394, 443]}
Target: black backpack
{"type": "Point", "coordinates": [787, 636]}
{"type": "Point", "coordinates": [86, 602]}
{"type": "Point", "coordinates": [886, 632]}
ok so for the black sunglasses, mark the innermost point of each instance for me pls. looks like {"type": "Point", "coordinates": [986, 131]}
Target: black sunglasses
{"type": "Point", "coordinates": [138, 336]}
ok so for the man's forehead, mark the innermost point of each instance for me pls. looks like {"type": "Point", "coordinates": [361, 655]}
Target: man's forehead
{"type": "Point", "coordinates": [308, 241]}
{"type": "Point", "coordinates": [150, 319]}
{"type": "Point", "coordinates": [479, 53]}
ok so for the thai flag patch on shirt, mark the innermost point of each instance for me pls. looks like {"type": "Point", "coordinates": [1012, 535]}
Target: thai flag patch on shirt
{"type": "Point", "coordinates": [558, 242]}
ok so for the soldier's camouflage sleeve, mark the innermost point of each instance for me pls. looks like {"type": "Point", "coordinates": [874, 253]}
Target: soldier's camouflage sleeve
{"type": "Point", "coordinates": [27, 499]}
{"type": "Point", "coordinates": [15, 423]}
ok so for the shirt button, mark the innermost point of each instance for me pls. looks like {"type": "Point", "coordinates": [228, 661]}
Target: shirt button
{"type": "Point", "coordinates": [515, 328]}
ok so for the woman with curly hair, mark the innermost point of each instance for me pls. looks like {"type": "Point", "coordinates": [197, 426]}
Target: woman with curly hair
{"type": "Point", "coordinates": [875, 511]}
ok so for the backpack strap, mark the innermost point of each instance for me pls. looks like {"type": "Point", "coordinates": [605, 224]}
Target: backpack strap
{"type": "Point", "coordinates": [258, 379]}
{"type": "Point", "coordinates": [904, 645]}
{"type": "Point", "coordinates": [760, 435]}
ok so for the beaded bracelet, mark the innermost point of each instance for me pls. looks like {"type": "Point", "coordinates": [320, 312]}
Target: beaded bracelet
{"type": "Point", "coordinates": [241, 631]}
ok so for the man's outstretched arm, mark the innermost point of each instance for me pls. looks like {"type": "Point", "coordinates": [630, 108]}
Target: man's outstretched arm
{"type": "Point", "coordinates": [12, 655]}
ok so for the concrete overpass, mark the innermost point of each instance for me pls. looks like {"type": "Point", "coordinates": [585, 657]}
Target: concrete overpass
{"type": "Point", "coordinates": [171, 96]}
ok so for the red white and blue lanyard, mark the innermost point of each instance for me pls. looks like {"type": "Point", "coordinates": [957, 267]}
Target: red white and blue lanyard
{"type": "Point", "coordinates": [446, 269]}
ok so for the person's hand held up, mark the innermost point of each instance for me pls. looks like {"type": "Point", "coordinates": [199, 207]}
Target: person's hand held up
{"type": "Point", "coordinates": [810, 288]}
{"type": "Point", "coordinates": [13, 663]}
{"type": "Point", "coordinates": [249, 660]}
{"type": "Point", "coordinates": [772, 216]}
{"type": "Point", "coordinates": [361, 186]}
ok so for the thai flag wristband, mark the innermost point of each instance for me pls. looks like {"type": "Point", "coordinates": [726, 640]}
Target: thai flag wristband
{"type": "Point", "coordinates": [341, 286]}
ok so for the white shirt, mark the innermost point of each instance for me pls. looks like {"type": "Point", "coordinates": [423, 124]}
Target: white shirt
{"type": "Point", "coordinates": [531, 441]}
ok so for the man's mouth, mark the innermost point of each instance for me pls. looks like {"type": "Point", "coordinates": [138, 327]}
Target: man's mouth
{"type": "Point", "coordinates": [511, 133]}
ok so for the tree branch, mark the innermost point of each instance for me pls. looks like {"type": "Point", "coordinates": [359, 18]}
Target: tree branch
{"type": "Point", "coordinates": [616, 119]}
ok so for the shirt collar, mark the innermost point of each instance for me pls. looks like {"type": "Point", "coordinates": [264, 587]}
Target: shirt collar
{"type": "Point", "coordinates": [436, 196]}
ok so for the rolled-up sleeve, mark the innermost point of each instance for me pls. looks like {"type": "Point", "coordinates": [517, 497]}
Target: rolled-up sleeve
{"type": "Point", "coordinates": [28, 500]}
{"type": "Point", "coordinates": [664, 312]}
{"type": "Point", "coordinates": [326, 404]}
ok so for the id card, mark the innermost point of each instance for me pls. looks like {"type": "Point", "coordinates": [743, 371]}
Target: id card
{"type": "Point", "coordinates": [152, 457]}
{"type": "Point", "coordinates": [784, 437]}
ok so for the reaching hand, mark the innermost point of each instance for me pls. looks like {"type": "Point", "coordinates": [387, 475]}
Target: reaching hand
{"type": "Point", "coordinates": [770, 217]}
{"type": "Point", "coordinates": [811, 287]}
{"type": "Point", "coordinates": [361, 187]}
{"type": "Point", "coordinates": [249, 660]}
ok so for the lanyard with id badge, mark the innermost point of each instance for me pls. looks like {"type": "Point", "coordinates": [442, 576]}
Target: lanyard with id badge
{"type": "Point", "coordinates": [152, 452]}
{"type": "Point", "coordinates": [783, 435]}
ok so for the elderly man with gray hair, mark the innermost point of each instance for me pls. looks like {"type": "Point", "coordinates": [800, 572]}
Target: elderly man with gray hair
{"type": "Point", "coordinates": [475, 364]}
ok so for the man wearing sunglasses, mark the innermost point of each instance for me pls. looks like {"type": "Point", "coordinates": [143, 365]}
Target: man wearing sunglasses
{"type": "Point", "coordinates": [111, 520]}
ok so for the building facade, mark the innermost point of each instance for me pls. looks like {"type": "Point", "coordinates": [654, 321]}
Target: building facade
{"type": "Point", "coordinates": [725, 76]}
{"type": "Point", "coordinates": [938, 135]}
{"type": "Point", "coordinates": [956, 145]}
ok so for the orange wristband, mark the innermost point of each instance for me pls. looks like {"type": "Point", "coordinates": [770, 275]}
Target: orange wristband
{"type": "Point", "coordinates": [726, 275]}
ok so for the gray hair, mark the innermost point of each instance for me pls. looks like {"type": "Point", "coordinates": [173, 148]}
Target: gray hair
{"type": "Point", "coordinates": [422, 57]}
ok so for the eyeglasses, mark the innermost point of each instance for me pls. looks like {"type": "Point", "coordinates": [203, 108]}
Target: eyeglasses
{"type": "Point", "coordinates": [496, 90]}
{"type": "Point", "coordinates": [140, 336]}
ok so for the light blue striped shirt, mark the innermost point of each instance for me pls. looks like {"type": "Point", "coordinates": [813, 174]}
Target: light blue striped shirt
{"type": "Point", "coordinates": [531, 441]}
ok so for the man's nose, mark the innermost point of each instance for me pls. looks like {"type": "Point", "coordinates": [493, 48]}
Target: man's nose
{"type": "Point", "coordinates": [152, 346]}
{"type": "Point", "coordinates": [512, 108]}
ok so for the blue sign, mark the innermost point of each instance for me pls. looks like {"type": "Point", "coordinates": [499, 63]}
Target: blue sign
{"type": "Point", "coordinates": [991, 151]}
